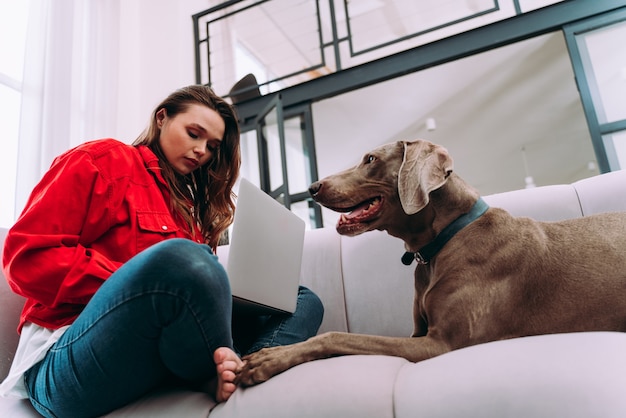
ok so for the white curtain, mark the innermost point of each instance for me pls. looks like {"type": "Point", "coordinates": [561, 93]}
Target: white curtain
{"type": "Point", "coordinates": [70, 83]}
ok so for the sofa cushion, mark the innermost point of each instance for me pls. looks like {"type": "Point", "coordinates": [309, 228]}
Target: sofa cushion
{"type": "Point", "coordinates": [167, 403]}
{"type": "Point", "coordinates": [17, 408]}
{"type": "Point", "coordinates": [349, 386]}
{"type": "Point", "coordinates": [561, 375]}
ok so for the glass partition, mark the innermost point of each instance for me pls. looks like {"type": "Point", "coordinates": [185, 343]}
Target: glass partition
{"type": "Point", "coordinates": [599, 61]}
{"type": "Point", "coordinates": [298, 155]}
{"type": "Point", "coordinates": [605, 66]}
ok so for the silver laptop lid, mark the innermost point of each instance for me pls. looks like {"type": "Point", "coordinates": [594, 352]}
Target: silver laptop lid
{"type": "Point", "coordinates": [265, 254]}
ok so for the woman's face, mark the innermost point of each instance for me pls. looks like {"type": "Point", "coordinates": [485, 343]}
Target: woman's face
{"type": "Point", "coordinates": [190, 139]}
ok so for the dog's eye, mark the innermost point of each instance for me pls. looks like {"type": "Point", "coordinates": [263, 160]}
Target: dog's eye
{"type": "Point", "coordinates": [370, 159]}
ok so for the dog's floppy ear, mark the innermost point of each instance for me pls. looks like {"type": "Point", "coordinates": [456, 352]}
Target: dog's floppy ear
{"type": "Point", "coordinates": [425, 167]}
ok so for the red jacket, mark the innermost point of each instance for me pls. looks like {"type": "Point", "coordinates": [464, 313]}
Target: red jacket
{"type": "Point", "coordinates": [98, 205]}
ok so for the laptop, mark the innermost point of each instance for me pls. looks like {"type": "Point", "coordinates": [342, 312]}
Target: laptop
{"type": "Point", "coordinates": [265, 255]}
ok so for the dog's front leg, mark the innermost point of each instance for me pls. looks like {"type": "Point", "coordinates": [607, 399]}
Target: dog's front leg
{"type": "Point", "coordinates": [260, 366]}
{"type": "Point", "coordinates": [267, 362]}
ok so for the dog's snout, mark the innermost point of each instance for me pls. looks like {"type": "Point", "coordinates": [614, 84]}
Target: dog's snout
{"type": "Point", "coordinates": [315, 188]}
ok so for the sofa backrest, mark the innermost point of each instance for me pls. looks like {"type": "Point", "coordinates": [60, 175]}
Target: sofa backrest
{"type": "Point", "coordinates": [364, 286]}
{"type": "Point", "coordinates": [379, 289]}
{"type": "Point", "coordinates": [548, 203]}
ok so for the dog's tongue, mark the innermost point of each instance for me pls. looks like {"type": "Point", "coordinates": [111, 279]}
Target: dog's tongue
{"type": "Point", "coordinates": [358, 210]}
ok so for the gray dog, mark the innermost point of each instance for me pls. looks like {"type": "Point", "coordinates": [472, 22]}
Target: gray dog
{"type": "Point", "coordinates": [482, 275]}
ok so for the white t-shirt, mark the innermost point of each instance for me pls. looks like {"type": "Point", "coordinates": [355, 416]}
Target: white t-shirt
{"type": "Point", "coordinates": [35, 341]}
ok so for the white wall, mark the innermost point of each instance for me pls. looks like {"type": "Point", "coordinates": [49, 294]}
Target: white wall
{"type": "Point", "coordinates": [156, 57]}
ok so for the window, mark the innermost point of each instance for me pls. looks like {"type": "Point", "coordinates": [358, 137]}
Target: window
{"type": "Point", "coordinates": [13, 25]}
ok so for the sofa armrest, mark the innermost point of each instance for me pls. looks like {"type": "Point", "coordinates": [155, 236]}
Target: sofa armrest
{"type": "Point", "coordinates": [547, 203]}
{"type": "Point", "coordinates": [10, 308]}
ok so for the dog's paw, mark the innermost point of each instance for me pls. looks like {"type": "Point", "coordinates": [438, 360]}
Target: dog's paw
{"type": "Point", "coordinates": [262, 365]}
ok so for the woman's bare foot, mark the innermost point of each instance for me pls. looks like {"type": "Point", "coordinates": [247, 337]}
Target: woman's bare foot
{"type": "Point", "coordinates": [227, 362]}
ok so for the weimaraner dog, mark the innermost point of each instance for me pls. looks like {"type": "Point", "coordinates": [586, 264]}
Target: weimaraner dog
{"type": "Point", "coordinates": [482, 275]}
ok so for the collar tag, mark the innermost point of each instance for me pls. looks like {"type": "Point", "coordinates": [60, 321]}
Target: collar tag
{"type": "Point", "coordinates": [408, 258]}
{"type": "Point", "coordinates": [421, 261]}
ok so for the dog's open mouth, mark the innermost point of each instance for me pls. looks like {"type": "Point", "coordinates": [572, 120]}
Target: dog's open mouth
{"type": "Point", "coordinates": [352, 222]}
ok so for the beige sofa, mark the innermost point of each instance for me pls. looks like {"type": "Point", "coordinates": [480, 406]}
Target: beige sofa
{"type": "Point", "coordinates": [366, 289]}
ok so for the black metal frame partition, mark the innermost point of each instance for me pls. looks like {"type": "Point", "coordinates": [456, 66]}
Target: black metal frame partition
{"type": "Point", "coordinates": [222, 11]}
{"type": "Point", "coordinates": [495, 35]}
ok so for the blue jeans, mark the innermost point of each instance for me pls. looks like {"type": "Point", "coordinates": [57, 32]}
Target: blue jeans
{"type": "Point", "coordinates": [156, 320]}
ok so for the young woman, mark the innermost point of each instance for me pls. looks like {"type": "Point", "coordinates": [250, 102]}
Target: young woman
{"type": "Point", "coordinates": [114, 253]}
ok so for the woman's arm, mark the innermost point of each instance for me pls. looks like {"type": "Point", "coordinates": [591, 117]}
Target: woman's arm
{"type": "Point", "coordinates": [46, 255]}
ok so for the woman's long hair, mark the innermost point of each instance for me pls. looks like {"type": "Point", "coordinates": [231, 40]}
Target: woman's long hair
{"type": "Point", "coordinates": [209, 187]}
